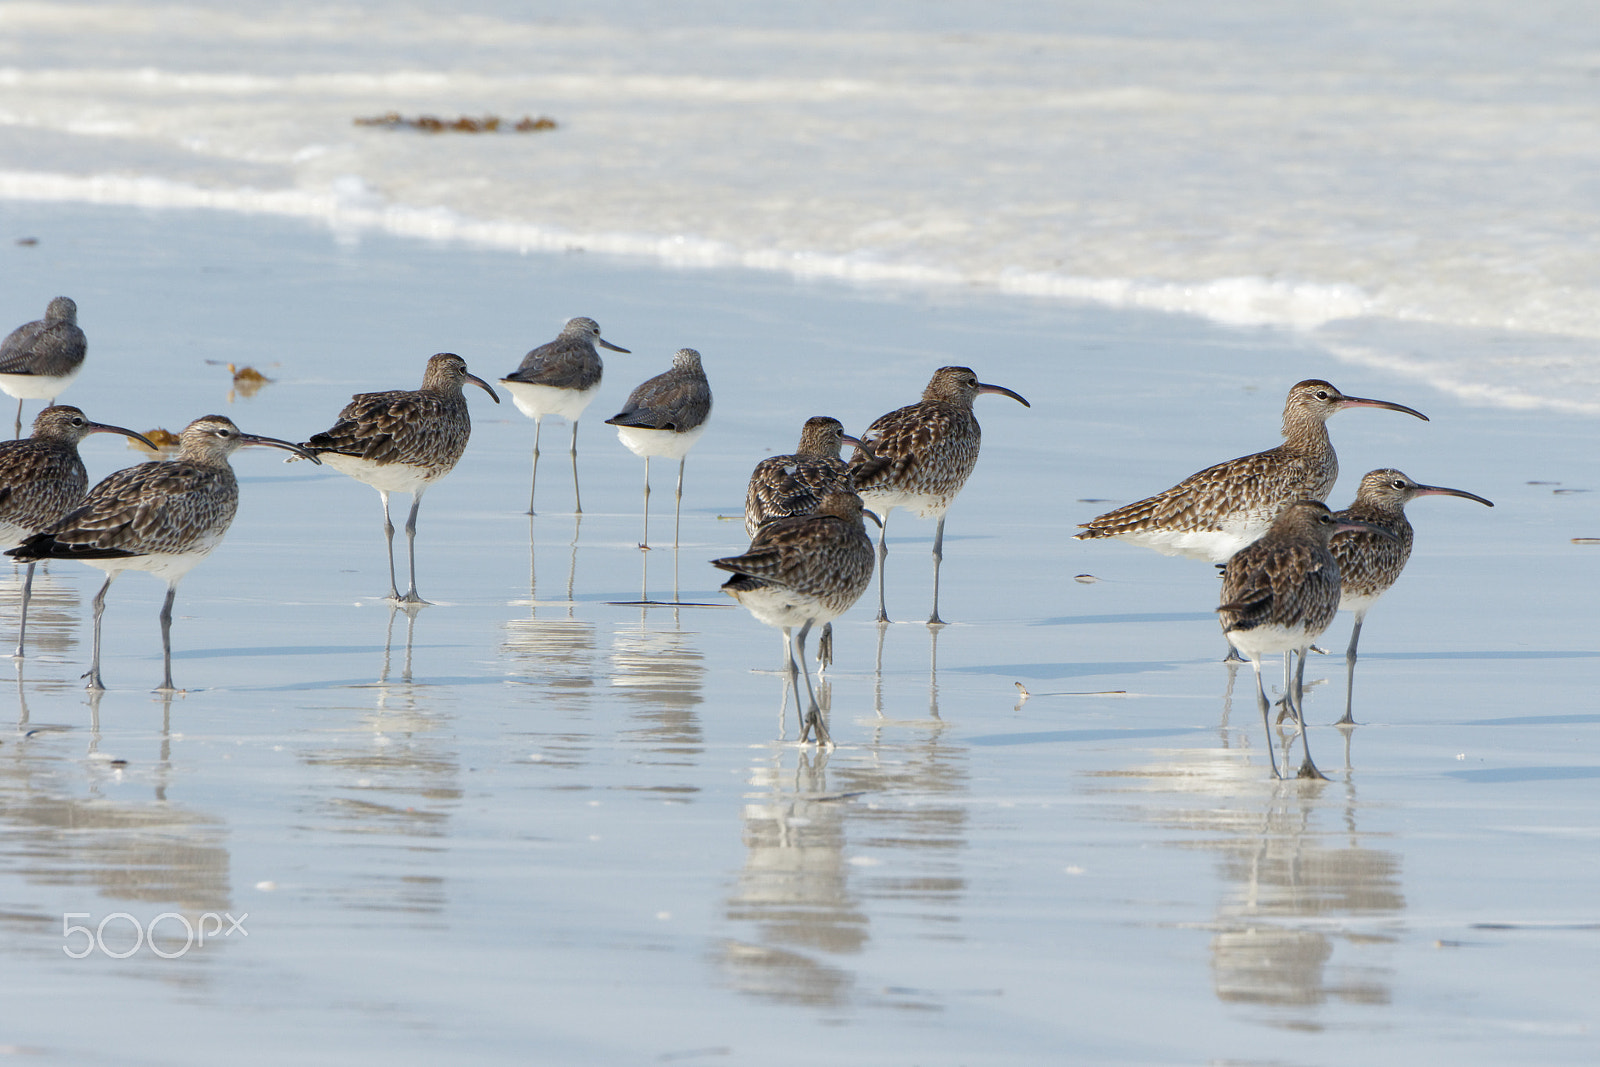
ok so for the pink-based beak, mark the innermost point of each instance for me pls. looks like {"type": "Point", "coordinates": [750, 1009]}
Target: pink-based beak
{"type": "Point", "coordinates": [1363, 402]}
{"type": "Point", "coordinates": [1003, 391]}
{"type": "Point", "coordinates": [1439, 490]}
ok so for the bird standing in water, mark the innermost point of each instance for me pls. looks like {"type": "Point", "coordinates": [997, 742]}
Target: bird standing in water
{"type": "Point", "coordinates": [560, 377]}
{"type": "Point", "coordinates": [402, 441]}
{"type": "Point", "coordinates": [39, 359]}
{"type": "Point", "coordinates": [1279, 594]}
{"type": "Point", "coordinates": [162, 517]}
{"type": "Point", "coordinates": [664, 417]}
{"type": "Point", "coordinates": [918, 457]}
{"type": "Point", "coordinates": [1369, 565]}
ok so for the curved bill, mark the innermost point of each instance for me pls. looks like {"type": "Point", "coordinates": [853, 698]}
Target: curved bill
{"type": "Point", "coordinates": [1003, 391]}
{"type": "Point", "coordinates": [273, 442]}
{"type": "Point", "coordinates": [1439, 490]}
{"type": "Point", "coordinates": [603, 343]}
{"type": "Point", "coordinates": [1357, 526]}
{"type": "Point", "coordinates": [100, 427]}
{"type": "Point", "coordinates": [854, 442]}
{"type": "Point", "coordinates": [1363, 402]}
{"type": "Point", "coordinates": [873, 515]}
{"type": "Point", "coordinates": [484, 386]}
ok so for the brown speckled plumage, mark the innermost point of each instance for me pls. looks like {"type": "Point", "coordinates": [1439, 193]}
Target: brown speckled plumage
{"type": "Point", "coordinates": [402, 441]}
{"type": "Point", "coordinates": [1369, 563]}
{"type": "Point", "coordinates": [162, 517]}
{"type": "Point", "coordinates": [1212, 514]}
{"type": "Point", "coordinates": [425, 429]}
{"type": "Point", "coordinates": [804, 570]}
{"type": "Point", "coordinates": [1280, 593]}
{"type": "Point", "coordinates": [918, 457]}
{"type": "Point", "coordinates": [783, 486]}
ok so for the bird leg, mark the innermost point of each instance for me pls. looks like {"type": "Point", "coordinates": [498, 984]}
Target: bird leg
{"type": "Point", "coordinates": [677, 515]}
{"type": "Point", "coordinates": [411, 596]}
{"type": "Point", "coordinates": [166, 640]}
{"type": "Point", "coordinates": [645, 544]}
{"type": "Point", "coordinates": [93, 673]}
{"type": "Point", "coordinates": [813, 715]}
{"type": "Point", "coordinates": [824, 648]}
{"type": "Point", "coordinates": [27, 594]}
{"type": "Point", "coordinates": [883, 555]}
{"type": "Point", "coordinates": [577, 498]}
{"type": "Point", "coordinates": [1261, 699]}
{"type": "Point", "coordinates": [388, 536]}
{"type": "Point", "coordinates": [1349, 671]}
{"type": "Point", "coordinates": [538, 424]}
{"type": "Point", "coordinates": [938, 558]}
{"type": "Point", "coordinates": [1307, 768]}
{"type": "Point", "coordinates": [18, 433]}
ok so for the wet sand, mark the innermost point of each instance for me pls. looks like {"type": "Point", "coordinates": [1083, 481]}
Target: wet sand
{"type": "Point", "coordinates": [532, 822]}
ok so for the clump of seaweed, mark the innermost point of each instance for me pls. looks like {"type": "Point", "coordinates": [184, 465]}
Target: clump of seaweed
{"type": "Point", "coordinates": [166, 442]}
{"type": "Point", "coordinates": [393, 120]}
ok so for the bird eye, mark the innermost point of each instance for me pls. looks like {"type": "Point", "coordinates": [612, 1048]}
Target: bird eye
{"type": "Point", "coordinates": [1322, 394]}
{"type": "Point", "coordinates": [1398, 484]}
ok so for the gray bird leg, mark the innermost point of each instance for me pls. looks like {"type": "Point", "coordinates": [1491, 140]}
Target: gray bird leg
{"type": "Point", "coordinates": [99, 610]}
{"type": "Point", "coordinates": [813, 716]}
{"type": "Point", "coordinates": [411, 596]}
{"type": "Point", "coordinates": [1349, 671]}
{"type": "Point", "coordinates": [938, 558]}
{"type": "Point", "coordinates": [1307, 768]}
{"type": "Point", "coordinates": [1266, 725]}
{"type": "Point", "coordinates": [27, 595]}
{"type": "Point", "coordinates": [677, 515]}
{"type": "Point", "coordinates": [388, 537]}
{"type": "Point", "coordinates": [883, 555]}
{"type": "Point", "coordinates": [538, 425]}
{"type": "Point", "coordinates": [166, 639]}
{"type": "Point", "coordinates": [577, 498]}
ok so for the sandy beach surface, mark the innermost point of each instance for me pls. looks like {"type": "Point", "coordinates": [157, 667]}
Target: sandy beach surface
{"type": "Point", "coordinates": [536, 823]}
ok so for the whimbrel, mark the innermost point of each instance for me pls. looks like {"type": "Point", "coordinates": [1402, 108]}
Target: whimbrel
{"type": "Point", "coordinates": [664, 417]}
{"type": "Point", "coordinates": [559, 377]}
{"type": "Point", "coordinates": [39, 359]}
{"type": "Point", "coordinates": [801, 571]}
{"type": "Point", "coordinates": [1369, 564]}
{"type": "Point", "coordinates": [783, 486]}
{"type": "Point", "coordinates": [918, 457]}
{"type": "Point", "coordinates": [1213, 514]}
{"type": "Point", "coordinates": [41, 479]}
{"type": "Point", "coordinates": [402, 441]}
{"type": "Point", "coordinates": [162, 517]}
{"type": "Point", "coordinates": [1278, 594]}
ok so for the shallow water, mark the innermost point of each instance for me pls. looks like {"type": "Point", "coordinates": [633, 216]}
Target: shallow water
{"type": "Point", "coordinates": [533, 821]}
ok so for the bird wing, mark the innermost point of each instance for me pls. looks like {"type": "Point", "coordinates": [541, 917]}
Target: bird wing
{"type": "Point", "coordinates": [782, 486]}
{"type": "Point", "coordinates": [670, 401]}
{"type": "Point", "coordinates": [1255, 582]}
{"type": "Point", "coordinates": [1246, 484]}
{"type": "Point", "coordinates": [38, 348]}
{"type": "Point", "coordinates": [398, 426]}
{"type": "Point", "coordinates": [560, 366]}
{"type": "Point", "coordinates": [41, 483]}
{"type": "Point", "coordinates": [166, 506]}
{"type": "Point", "coordinates": [901, 440]}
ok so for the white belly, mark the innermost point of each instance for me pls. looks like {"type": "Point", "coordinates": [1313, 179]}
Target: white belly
{"type": "Point", "coordinates": [666, 444]}
{"type": "Point", "coordinates": [384, 477]}
{"type": "Point", "coordinates": [1358, 602]}
{"type": "Point", "coordinates": [1266, 640]}
{"type": "Point", "coordinates": [922, 505]}
{"type": "Point", "coordinates": [37, 386]}
{"type": "Point", "coordinates": [168, 567]}
{"type": "Point", "coordinates": [537, 400]}
{"type": "Point", "coordinates": [783, 608]}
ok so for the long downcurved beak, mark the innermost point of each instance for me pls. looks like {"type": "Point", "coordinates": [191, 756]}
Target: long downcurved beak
{"type": "Point", "coordinates": [1363, 402]}
{"type": "Point", "coordinates": [873, 516]}
{"type": "Point", "coordinates": [484, 386]}
{"type": "Point", "coordinates": [1003, 391]}
{"type": "Point", "coordinates": [1439, 490]}
{"type": "Point", "coordinates": [854, 442]}
{"type": "Point", "coordinates": [100, 427]}
{"type": "Point", "coordinates": [603, 343]}
{"type": "Point", "coordinates": [273, 442]}
{"type": "Point", "coordinates": [1357, 526]}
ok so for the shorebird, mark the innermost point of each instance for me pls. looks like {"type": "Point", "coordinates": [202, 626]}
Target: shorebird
{"type": "Point", "coordinates": [918, 457]}
{"type": "Point", "coordinates": [162, 517]}
{"type": "Point", "coordinates": [784, 486]}
{"type": "Point", "coordinates": [801, 571]}
{"type": "Point", "coordinates": [1369, 564]}
{"type": "Point", "coordinates": [41, 479]}
{"type": "Point", "coordinates": [1279, 594]}
{"type": "Point", "coordinates": [559, 377]}
{"type": "Point", "coordinates": [402, 441]}
{"type": "Point", "coordinates": [40, 359]}
{"type": "Point", "coordinates": [664, 417]}
{"type": "Point", "coordinates": [1213, 514]}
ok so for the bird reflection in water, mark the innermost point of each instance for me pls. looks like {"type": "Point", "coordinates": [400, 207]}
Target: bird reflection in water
{"type": "Point", "coordinates": [933, 679]}
{"type": "Point", "coordinates": [661, 671]}
{"type": "Point", "coordinates": [551, 646]}
{"type": "Point", "coordinates": [1305, 903]}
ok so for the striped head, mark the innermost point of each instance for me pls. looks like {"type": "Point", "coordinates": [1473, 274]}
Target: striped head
{"type": "Point", "coordinates": [447, 373]}
{"type": "Point", "coordinates": [960, 386]}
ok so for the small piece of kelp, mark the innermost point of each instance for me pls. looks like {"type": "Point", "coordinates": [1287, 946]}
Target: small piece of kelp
{"type": "Point", "coordinates": [393, 120]}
